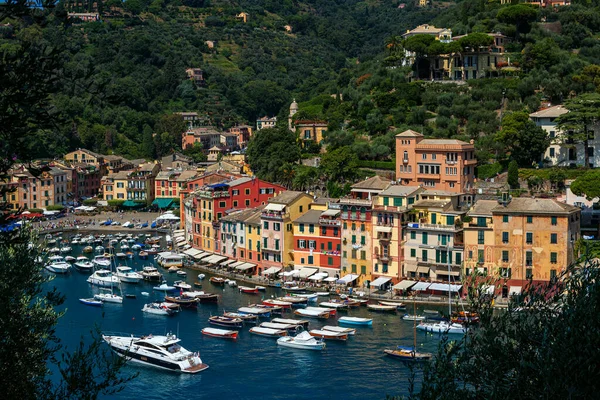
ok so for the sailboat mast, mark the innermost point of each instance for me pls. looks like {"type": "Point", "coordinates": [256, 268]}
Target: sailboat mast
{"type": "Point", "coordinates": [414, 325]}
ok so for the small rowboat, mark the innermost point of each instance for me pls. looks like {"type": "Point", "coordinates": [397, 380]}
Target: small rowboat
{"type": "Point", "coordinates": [277, 303]}
{"type": "Point", "coordinates": [332, 311]}
{"type": "Point", "coordinates": [226, 321]}
{"type": "Point", "coordinates": [302, 322]}
{"type": "Point", "coordinates": [217, 281]}
{"type": "Point", "coordinates": [313, 313]}
{"type": "Point", "coordinates": [381, 308]}
{"type": "Point", "coordinates": [261, 312]}
{"type": "Point", "coordinates": [321, 334]}
{"type": "Point", "coordinates": [296, 301]}
{"type": "Point", "coordinates": [287, 327]}
{"type": "Point", "coordinates": [220, 333]}
{"type": "Point", "coordinates": [334, 305]}
{"type": "Point", "coordinates": [309, 297]}
{"type": "Point", "coordinates": [248, 290]}
{"type": "Point", "coordinates": [339, 329]}
{"type": "Point", "coordinates": [261, 288]}
{"type": "Point", "coordinates": [409, 317]}
{"type": "Point", "coordinates": [185, 302]}
{"type": "Point", "coordinates": [408, 354]}
{"type": "Point", "coordinates": [432, 312]}
{"type": "Point", "coordinates": [244, 317]}
{"type": "Point", "coordinates": [267, 332]}
{"type": "Point", "coordinates": [91, 302]}
{"type": "Point", "coordinates": [399, 306]}
{"type": "Point", "coordinates": [355, 321]}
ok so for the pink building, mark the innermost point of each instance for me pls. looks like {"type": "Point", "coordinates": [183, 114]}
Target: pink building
{"type": "Point", "coordinates": [441, 164]}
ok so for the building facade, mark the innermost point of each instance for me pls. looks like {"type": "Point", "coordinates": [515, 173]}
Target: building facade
{"type": "Point", "coordinates": [441, 164]}
{"type": "Point", "coordinates": [356, 217]}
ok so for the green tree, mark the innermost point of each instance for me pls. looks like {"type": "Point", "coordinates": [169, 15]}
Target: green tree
{"type": "Point", "coordinates": [196, 152]}
{"type": "Point", "coordinates": [175, 126]}
{"type": "Point", "coordinates": [523, 139]}
{"type": "Point", "coordinates": [475, 41]}
{"type": "Point", "coordinates": [513, 175]}
{"type": "Point", "coordinates": [536, 348]}
{"type": "Point", "coordinates": [557, 177]}
{"type": "Point", "coordinates": [587, 184]}
{"type": "Point", "coordinates": [270, 150]}
{"type": "Point", "coordinates": [521, 15]}
{"type": "Point", "coordinates": [339, 165]}
{"type": "Point", "coordinates": [584, 111]}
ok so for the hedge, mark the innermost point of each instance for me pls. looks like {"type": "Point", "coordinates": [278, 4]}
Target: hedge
{"type": "Point", "coordinates": [116, 203]}
{"type": "Point", "coordinates": [544, 173]}
{"type": "Point", "coordinates": [55, 207]}
{"type": "Point", "coordinates": [36, 210]}
{"type": "Point", "coordinates": [488, 170]}
{"type": "Point", "coordinates": [391, 165]}
{"type": "Point", "coordinates": [90, 202]}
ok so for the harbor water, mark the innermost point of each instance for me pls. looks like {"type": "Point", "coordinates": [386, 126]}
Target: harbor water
{"type": "Point", "coordinates": [252, 367]}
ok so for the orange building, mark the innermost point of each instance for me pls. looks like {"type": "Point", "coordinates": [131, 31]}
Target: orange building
{"type": "Point", "coordinates": [441, 164]}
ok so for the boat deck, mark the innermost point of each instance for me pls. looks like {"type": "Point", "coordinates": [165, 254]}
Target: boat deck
{"type": "Point", "coordinates": [196, 368]}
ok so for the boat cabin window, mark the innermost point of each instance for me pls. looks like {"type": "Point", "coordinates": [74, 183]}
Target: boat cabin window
{"type": "Point", "coordinates": [174, 348]}
{"type": "Point", "coordinates": [147, 345]}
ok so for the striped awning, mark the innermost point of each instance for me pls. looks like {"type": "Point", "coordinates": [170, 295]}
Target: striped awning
{"type": "Point", "coordinates": [404, 285]}
{"type": "Point", "coordinates": [245, 266]}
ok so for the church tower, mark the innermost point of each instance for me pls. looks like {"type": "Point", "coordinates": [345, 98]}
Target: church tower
{"type": "Point", "coordinates": [293, 110]}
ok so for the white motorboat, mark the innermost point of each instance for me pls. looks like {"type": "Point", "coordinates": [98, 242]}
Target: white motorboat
{"type": "Point", "coordinates": [54, 250]}
{"type": "Point", "coordinates": [339, 329]}
{"type": "Point", "coordinates": [127, 275]}
{"type": "Point", "coordinates": [181, 273]}
{"type": "Point", "coordinates": [410, 317]}
{"type": "Point", "coordinates": [121, 255]}
{"type": "Point", "coordinates": [309, 297]}
{"type": "Point", "coordinates": [231, 283]}
{"type": "Point", "coordinates": [157, 309]}
{"type": "Point", "coordinates": [136, 247]}
{"type": "Point", "coordinates": [101, 261]}
{"type": "Point", "coordinates": [311, 313]}
{"type": "Point", "coordinates": [99, 249]}
{"type": "Point", "coordinates": [70, 259]}
{"type": "Point", "coordinates": [164, 288]}
{"type": "Point", "coordinates": [201, 276]}
{"type": "Point", "coordinates": [66, 249]}
{"type": "Point", "coordinates": [103, 278]}
{"type": "Point", "coordinates": [323, 294]}
{"type": "Point", "coordinates": [182, 285]}
{"type": "Point", "coordinates": [56, 259]}
{"type": "Point", "coordinates": [159, 351]}
{"type": "Point", "coordinates": [173, 269]}
{"type": "Point", "coordinates": [442, 327]}
{"type": "Point", "coordinates": [109, 298]}
{"type": "Point", "coordinates": [84, 265]}
{"type": "Point", "coordinates": [168, 260]}
{"type": "Point", "coordinates": [150, 273]}
{"type": "Point", "coordinates": [124, 247]}
{"type": "Point", "coordinates": [60, 267]}
{"type": "Point", "coordinates": [303, 341]}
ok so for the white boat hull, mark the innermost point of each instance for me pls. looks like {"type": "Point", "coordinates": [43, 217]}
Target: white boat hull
{"type": "Point", "coordinates": [442, 328]}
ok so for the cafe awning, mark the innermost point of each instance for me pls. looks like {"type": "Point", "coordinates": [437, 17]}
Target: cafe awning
{"type": "Point", "coordinates": [386, 229]}
{"type": "Point", "coordinates": [192, 252]}
{"type": "Point", "coordinates": [274, 207]}
{"type": "Point", "coordinates": [319, 276]}
{"type": "Point", "coordinates": [163, 202]}
{"type": "Point", "coordinates": [245, 266]}
{"type": "Point", "coordinates": [235, 264]}
{"type": "Point", "coordinates": [306, 272]}
{"type": "Point", "coordinates": [423, 270]}
{"type": "Point", "coordinates": [404, 285]}
{"type": "Point", "coordinates": [420, 286]}
{"type": "Point", "coordinates": [444, 287]}
{"type": "Point", "coordinates": [272, 270]}
{"type": "Point", "coordinates": [382, 280]}
{"type": "Point", "coordinates": [330, 279]}
{"type": "Point", "coordinates": [330, 213]}
{"type": "Point", "coordinates": [347, 279]}
{"type": "Point", "coordinates": [410, 268]}
{"type": "Point", "coordinates": [201, 255]}
{"type": "Point", "coordinates": [214, 259]}
{"type": "Point", "coordinates": [227, 262]}
{"type": "Point", "coordinates": [449, 273]}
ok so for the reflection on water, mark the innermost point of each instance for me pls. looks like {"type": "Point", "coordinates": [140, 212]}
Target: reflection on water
{"type": "Point", "coordinates": [252, 367]}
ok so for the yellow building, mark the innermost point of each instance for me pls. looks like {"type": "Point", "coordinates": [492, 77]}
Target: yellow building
{"type": "Point", "coordinates": [114, 186]}
{"type": "Point", "coordinates": [310, 131]}
{"type": "Point", "coordinates": [529, 239]}
{"type": "Point", "coordinates": [389, 211]}
{"type": "Point", "coordinates": [357, 229]}
{"type": "Point", "coordinates": [434, 238]}
{"type": "Point", "coordinates": [252, 233]}
{"type": "Point", "coordinates": [277, 227]}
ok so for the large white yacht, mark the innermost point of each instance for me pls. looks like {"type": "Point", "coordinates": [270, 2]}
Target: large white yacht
{"type": "Point", "coordinates": [159, 351]}
{"type": "Point", "coordinates": [127, 275]}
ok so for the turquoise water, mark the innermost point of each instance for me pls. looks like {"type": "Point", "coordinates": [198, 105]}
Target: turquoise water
{"type": "Point", "coordinates": [252, 367]}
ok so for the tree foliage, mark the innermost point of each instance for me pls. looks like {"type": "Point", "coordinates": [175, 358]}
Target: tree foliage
{"type": "Point", "coordinates": [270, 150]}
{"type": "Point", "coordinates": [537, 348]}
{"type": "Point", "coordinates": [584, 111]}
{"type": "Point", "coordinates": [587, 185]}
{"type": "Point", "coordinates": [513, 174]}
{"type": "Point", "coordinates": [523, 139]}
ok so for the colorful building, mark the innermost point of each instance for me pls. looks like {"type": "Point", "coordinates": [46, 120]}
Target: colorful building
{"type": "Point", "coordinates": [356, 218]}
{"type": "Point", "coordinates": [434, 245]}
{"type": "Point", "coordinates": [169, 184]}
{"type": "Point", "coordinates": [310, 131]}
{"type": "Point", "coordinates": [441, 164]}
{"type": "Point", "coordinates": [390, 209]}
{"type": "Point", "coordinates": [529, 239]}
{"type": "Point", "coordinates": [29, 191]}
{"type": "Point", "coordinates": [277, 239]}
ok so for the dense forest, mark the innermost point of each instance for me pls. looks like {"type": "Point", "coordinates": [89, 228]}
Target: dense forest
{"type": "Point", "coordinates": [121, 78]}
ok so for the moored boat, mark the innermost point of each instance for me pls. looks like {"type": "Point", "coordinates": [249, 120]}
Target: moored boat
{"type": "Point", "coordinates": [381, 308]}
{"type": "Point", "coordinates": [58, 267]}
{"type": "Point", "coordinates": [109, 298]}
{"type": "Point", "coordinates": [267, 332]}
{"type": "Point", "coordinates": [302, 322]}
{"type": "Point", "coordinates": [339, 329]}
{"type": "Point", "coordinates": [399, 306]}
{"type": "Point", "coordinates": [185, 302]}
{"type": "Point", "coordinates": [164, 288]}
{"type": "Point", "coordinates": [303, 341]}
{"type": "Point", "coordinates": [287, 327]}
{"type": "Point", "coordinates": [323, 334]}
{"type": "Point", "coordinates": [159, 351]}
{"type": "Point", "coordinates": [442, 327]}
{"type": "Point", "coordinates": [91, 302]}
{"type": "Point", "coordinates": [217, 281]}
{"type": "Point", "coordinates": [158, 309]}
{"type": "Point", "coordinates": [127, 275]}
{"type": "Point", "coordinates": [226, 321]}
{"type": "Point", "coordinates": [103, 278]}
{"type": "Point", "coordinates": [248, 290]}
{"type": "Point", "coordinates": [150, 273]}
{"type": "Point", "coordinates": [312, 313]}
{"type": "Point", "coordinates": [332, 311]}
{"type": "Point", "coordinates": [249, 318]}
{"type": "Point", "coordinates": [355, 321]}
{"type": "Point", "coordinates": [408, 354]}
{"type": "Point", "coordinates": [334, 305]}
{"type": "Point", "coordinates": [202, 296]}
{"type": "Point", "coordinates": [277, 303]}
{"type": "Point", "coordinates": [261, 312]}
{"type": "Point", "coordinates": [220, 333]}
{"type": "Point", "coordinates": [410, 317]}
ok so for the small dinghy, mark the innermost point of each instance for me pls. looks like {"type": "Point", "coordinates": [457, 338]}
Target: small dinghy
{"type": "Point", "coordinates": [226, 321]}
{"type": "Point", "coordinates": [355, 321]}
{"type": "Point", "coordinates": [409, 317]}
{"type": "Point", "coordinates": [145, 294]}
{"type": "Point", "coordinates": [323, 334]}
{"type": "Point", "coordinates": [339, 329]}
{"type": "Point", "coordinates": [220, 333]}
{"type": "Point", "coordinates": [267, 332]}
{"type": "Point", "coordinates": [381, 308]}
{"type": "Point", "coordinates": [302, 341]}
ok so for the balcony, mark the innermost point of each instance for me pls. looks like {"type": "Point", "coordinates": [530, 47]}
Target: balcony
{"type": "Point", "coordinates": [275, 215]}
{"type": "Point", "coordinates": [405, 160]}
{"type": "Point", "coordinates": [384, 236]}
{"type": "Point", "coordinates": [431, 261]}
{"type": "Point", "coordinates": [383, 257]}
{"type": "Point", "coordinates": [208, 194]}
{"type": "Point", "coordinates": [435, 227]}
{"type": "Point", "coordinates": [451, 162]}
{"type": "Point", "coordinates": [356, 202]}
{"type": "Point", "coordinates": [329, 222]}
